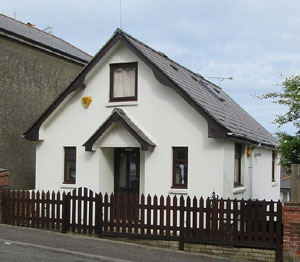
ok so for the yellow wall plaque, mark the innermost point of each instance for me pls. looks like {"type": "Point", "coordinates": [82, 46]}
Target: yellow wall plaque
{"type": "Point", "coordinates": [86, 101]}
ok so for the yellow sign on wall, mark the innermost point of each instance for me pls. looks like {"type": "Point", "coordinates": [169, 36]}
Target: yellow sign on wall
{"type": "Point", "coordinates": [86, 101]}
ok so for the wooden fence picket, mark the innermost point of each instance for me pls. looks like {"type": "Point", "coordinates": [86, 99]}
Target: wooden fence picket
{"type": "Point", "coordinates": [85, 208]}
{"type": "Point", "coordinates": [168, 216]}
{"type": "Point", "coordinates": [194, 215]}
{"type": "Point", "coordinates": [161, 216]}
{"type": "Point", "coordinates": [174, 226]}
{"type": "Point", "coordinates": [58, 213]}
{"type": "Point", "coordinates": [149, 215]}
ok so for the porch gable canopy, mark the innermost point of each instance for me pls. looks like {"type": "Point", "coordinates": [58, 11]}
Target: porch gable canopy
{"type": "Point", "coordinates": [119, 116]}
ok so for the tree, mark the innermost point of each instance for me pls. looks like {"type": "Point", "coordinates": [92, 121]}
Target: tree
{"type": "Point", "coordinates": [290, 97]}
{"type": "Point", "coordinates": [289, 147]}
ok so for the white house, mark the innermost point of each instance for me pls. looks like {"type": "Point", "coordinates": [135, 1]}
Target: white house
{"type": "Point", "coordinates": [135, 121]}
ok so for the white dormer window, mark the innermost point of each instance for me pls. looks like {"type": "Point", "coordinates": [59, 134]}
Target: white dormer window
{"type": "Point", "coordinates": [123, 82]}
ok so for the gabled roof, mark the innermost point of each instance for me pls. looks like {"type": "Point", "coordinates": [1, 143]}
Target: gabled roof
{"type": "Point", "coordinates": [18, 30]}
{"type": "Point", "coordinates": [224, 116]}
{"type": "Point", "coordinates": [119, 116]}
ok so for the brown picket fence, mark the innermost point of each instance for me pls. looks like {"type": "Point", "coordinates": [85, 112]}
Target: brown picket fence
{"type": "Point", "coordinates": [240, 223]}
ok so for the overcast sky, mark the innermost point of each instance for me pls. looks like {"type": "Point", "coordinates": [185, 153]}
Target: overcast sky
{"type": "Point", "coordinates": [253, 41]}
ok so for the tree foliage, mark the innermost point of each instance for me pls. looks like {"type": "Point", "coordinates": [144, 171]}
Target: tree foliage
{"type": "Point", "coordinates": [290, 97]}
{"type": "Point", "coordinates": [289, 147]}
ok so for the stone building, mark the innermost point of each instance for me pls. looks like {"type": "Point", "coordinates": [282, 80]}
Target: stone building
{"type": "Point", "coordinates": [35, 67]}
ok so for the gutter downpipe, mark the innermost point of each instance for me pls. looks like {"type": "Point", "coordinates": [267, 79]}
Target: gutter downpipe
{"type": "Point", "coordinates": [251, 173]}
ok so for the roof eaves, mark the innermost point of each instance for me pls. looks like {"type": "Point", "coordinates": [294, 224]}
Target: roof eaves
{"type": "Point", "coordinates": [251, 141]}
{"type": "Point", "coordinates": [29, 40]}
{"type": "Point", "coordinates": [119, 116]}
{"type": "Point", "coordinates": [39, 45]}
{"type": "Point", "coordinates": [33, 132]}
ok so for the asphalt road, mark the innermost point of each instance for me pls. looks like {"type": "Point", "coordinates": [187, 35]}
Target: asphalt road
{"type": "Point", "coordinates": [19, 244]}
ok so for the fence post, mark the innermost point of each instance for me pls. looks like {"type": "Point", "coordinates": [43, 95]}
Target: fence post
{"type": "Point", "coordinates": [279, 233]}
{"type": "Point", "coordinates": [295, 186]}
{"type": "Point", "coordinates": [98, 215]}
{"type": "Point", "coordinates": [181, 230]}
{"type": "Point", "coordinates": [65, 212]}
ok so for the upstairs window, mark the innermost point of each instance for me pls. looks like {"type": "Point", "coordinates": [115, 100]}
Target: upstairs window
{"type": "Point", "coordinates": [123, 82]}
{"type": "Point", "coordinates": [70, 165]}
{"type": "Point", "coordinates": [237, 165]}
{"type": "Point", "coordinates": [180, 167]}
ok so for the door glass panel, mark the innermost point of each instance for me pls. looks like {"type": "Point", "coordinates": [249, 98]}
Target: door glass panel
{"type": "Point", "coordinates": [127, 170]}
{"type": "Point", "coordinates": [133, 175]}
{"type": "Point", "coordinates": [122, 170]}
{"type": "Point", "coordinates": [181, 174]}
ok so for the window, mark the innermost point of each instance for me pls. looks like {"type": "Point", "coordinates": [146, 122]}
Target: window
{"type": "Point", "coordinates": [70, 165]}
{"type": "Point", "coordinates": [273, 165]}
{"type": "Point", "coordinates": [123, 82]}
{"type": "Point", "coordinates": [237, 165]}
{"type": "Point", "coordinates": [180, 167]}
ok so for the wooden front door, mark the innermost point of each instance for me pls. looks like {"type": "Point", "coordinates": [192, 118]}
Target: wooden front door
{"type": "Point", "coordinates": [127, 170]}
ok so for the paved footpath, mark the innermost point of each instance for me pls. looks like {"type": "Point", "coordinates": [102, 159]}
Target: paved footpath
{"type": "Point", "coordinates": [26, 244]}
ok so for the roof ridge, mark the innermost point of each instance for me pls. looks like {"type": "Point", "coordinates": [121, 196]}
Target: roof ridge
{"type": "Point", "coordinates": [160, 53]}
{"type": "Point", "coordinates": [42, 31]}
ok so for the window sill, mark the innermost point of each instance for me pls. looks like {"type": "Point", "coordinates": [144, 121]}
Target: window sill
{"type": "Point", "coordinates": [239, 190]}
{"type": "Point", "coordinates": [178, 191]}
{"type": "Point", "coordinates": [274, 183]}
{"type": "Point", "coordinates": [68, 186]}
{"type": "Point", "coordinates": [125, 103]}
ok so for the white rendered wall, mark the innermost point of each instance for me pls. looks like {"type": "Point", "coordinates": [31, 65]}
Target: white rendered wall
{"type": "Point", "coordinates": [263, 187]}
{"type": "Point", "coordinates": [160, 112]}
{"type": "Point", "coordinates": [230, 191]}
{"type": "Point", "coordinates": [256, 173]}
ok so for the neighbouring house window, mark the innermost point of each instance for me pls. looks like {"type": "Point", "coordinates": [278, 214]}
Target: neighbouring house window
{"type": "Point", "coordinates": [180, 167]}
{"type": "Point", "coordinates": [123, 82]}
{"type": "Point", "coordinates": [237, 165]}
{"type": "Point", "coordinates": [273, 165]}
{"type": "Point", "coordinates": [70, 165]}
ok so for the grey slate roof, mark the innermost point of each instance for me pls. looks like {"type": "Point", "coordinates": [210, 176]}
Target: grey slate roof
{"type": "Point", "coordinates": [39, 37]}
{"type": "Point", "coordinates": [208, 96]}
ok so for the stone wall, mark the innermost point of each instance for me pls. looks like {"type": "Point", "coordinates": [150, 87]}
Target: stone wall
{"type": "Point", "coordinates": [291, 232]}
{"type": "Point", "coordinates": [30, 81]}
{"type": "Point", "coordinates": [232, 253]}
